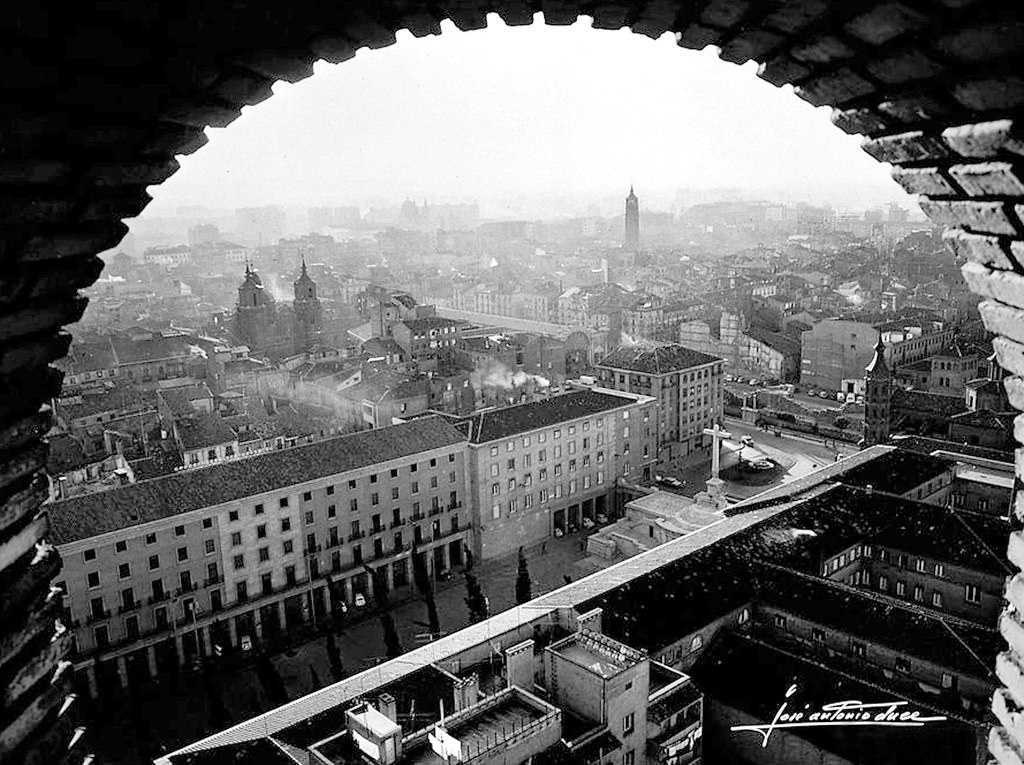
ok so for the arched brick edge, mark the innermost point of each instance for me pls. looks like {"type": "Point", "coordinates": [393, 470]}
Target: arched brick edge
{"type": "Point", "coordinates": [100, 96]}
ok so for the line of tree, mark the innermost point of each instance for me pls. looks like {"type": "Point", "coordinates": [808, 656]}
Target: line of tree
{"type": "Point", "coordinates": [476, 601]}
{"type": "Point", "coordinates": [426, 587]}
{"type": "Point", "coordinates": [524, 588]}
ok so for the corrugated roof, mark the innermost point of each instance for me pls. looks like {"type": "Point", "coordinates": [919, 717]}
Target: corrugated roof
{"type": "Point", "coordinates": [659, 360]}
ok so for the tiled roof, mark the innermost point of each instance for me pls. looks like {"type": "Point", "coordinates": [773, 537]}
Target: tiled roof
{"type": "Point", "coordinates": [66, 454]}
{"type": "Point", "coordinates": [659, 360]}
{"type": "Point", "coordinates": [502, 423]}
{"type": "Point", "coordinates": [897, 472]}
{"type": "Point", "coordinates": [886, 621]}
{"type": "Point", "coordinates": [89, 357]}
{"type": "Point", "coordinates": [83, 517]}
{"type": "Point", "coordinates": [202, 429]}
{"type": "Point", "coordinates": [129, 352]}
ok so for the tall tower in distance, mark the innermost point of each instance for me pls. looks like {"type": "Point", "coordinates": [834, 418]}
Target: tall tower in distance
{"type": "Point", "coordinates": [877, 395]}
{"type": "Point", "coordinates": [632, 239]}
{"type": "Point", "coordinates": [255, 313]}
{"type": "Point", "coordinates": [307, 310]}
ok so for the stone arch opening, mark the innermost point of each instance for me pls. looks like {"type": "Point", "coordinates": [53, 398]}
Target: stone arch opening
{"type": "Point", "coordinates": [935, 86]}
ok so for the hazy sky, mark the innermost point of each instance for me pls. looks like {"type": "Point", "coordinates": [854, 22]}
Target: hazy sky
{"type": "Point", "coordinates": [527, 110]}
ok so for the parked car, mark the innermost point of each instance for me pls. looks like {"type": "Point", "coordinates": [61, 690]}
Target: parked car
{"type": "Point", "coordinates": [747, 441]}
{"type": "Point", "coordinates": [559, 533]}
{"type": "Point", "coordinates": [587, 523]}
{"type": "Point", "coordinates": [754, 381]}
{"type": "Point", "coordinates": [823, 394]}
{"type": "Point", "coordinates": [360, 599]}
{"type": "Point", "coordinates": [444, 575]}
{"type": "Point", "coordinates": [602, 518]}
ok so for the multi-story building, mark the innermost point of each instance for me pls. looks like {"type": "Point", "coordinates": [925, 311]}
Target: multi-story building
{"type": "Point", "coordinates": [686, 384]}
{"type": "Point", "coordinates": [540, 468]}
{"type": "Point", "coordinates": [172, 257]}
{"type": "Point", "coordinates": [158, 572]}
{"type": "Point", "coordinates": [430, 338]}
{"type": "Point", "coordinates": [834, 352]}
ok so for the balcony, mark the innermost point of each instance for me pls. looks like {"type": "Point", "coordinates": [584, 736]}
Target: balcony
{"type": "Point", "coordinates": [213, 580]}
{"type": "Point", "coordinates": [418, 517]}
{"type": "Point", "coordinates": [435, 511]}
{"type": "Point", "coordinates": [378, 529]}
{"type": "Point", "coordinates": [454, 506]}
{"type": "Point", "coordinates": [192, 587]}
{"type": "Point", "coordinates": [98, 616]}
{"type": "Point", "coordinates": [129, 607]}
{"type": "Point", "coordinates": [356, 535]}
{"type": "Point", "coordinates": [154, 599]}
{"type": "Point", "coordinates": [310, 551]}
{"type": "Point", "coordinates": [398, 524]}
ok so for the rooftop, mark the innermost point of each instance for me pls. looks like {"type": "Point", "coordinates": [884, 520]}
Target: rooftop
{"type": "Point", "coordinates": [598, 653]}
{"type": "Point", "coordinates": [659, 360]}
{"type": "Point", "coordinates": [199, 430]}
{"type": "Point", "coordinates": [146, 501]}
{"type": "Point", "coordinates": [509, 421]}
{"type": "Point", "coordinates": [428, 323]}
{"type": "Point", "coordinates": [897, 471]}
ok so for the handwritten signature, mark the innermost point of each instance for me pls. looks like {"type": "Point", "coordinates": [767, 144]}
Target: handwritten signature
{"type": "Point", "coordinates": [849, 712]}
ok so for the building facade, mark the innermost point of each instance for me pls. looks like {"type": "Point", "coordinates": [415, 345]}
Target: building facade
{"type": "Point", "coordinates": [158, 573]}
{"type": "Point", "coordinates": [687, 386]}
{"type": "Point", "coordinates": [539, 469]}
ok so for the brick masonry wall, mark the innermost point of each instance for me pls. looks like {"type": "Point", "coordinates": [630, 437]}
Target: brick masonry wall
{"type": "Point", "coordinates": [100, 96]}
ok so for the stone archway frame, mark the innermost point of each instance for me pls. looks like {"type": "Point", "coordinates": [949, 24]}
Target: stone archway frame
{"type": "Point", "coordinates": [101, 96]}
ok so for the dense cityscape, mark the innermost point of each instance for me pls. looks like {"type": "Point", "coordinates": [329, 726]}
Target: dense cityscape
{"type": "Point", "coordinates": [287, 451]}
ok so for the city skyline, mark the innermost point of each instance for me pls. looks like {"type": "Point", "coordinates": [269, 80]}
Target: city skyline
{"type": "Point", "coordinates": [584, 134]}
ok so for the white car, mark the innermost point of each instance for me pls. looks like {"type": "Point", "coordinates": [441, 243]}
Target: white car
{"type": "Point", "coordinates": [360, 600]}
{"type": "Point", "coordinates": [747, 441]}
{"type": "Point", "coordinates": [587, 523]}
{"type": "Point", "coordinates": [559, 533]}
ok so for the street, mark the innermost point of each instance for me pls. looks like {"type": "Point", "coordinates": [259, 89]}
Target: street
{"type": "Point", "coordinates": [809, 452]}
{"type": "Point", "coordinates": [173, 711]}
{"type": "Point", "coordinates": [814, 402]}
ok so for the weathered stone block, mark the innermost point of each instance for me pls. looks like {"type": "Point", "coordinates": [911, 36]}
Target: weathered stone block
{"type": "Point", "coordinates": [823, 49]}
{"type": "Point", "coordinates": [983, 42]}
{"type": "Point", "coordinates": [834, 89]}
{"type": "Point", "coordinates": [982, 217]}
{"type": "Point", "coordinates": [981, 248]}
{"type": "Point", "coordinates": [1002, 93]}
{"type": "Point", "coordinates": [903, 67]}
{"type": "Point", "coordinates": [1003, 319]}
{"type": "Point", "coordinates": [750, 44]}
{"type": "Point", "coordinates": [984, 139]}
{"type": "Point", "coordinates": [924, 180]}
{"type": "Point", "coordinates": [862, 120]}
{"type": "Point", "coordinates": [697, 37]}
{"type": "Point", "coordinates": [906, 147]}
{"type": "Point", "coordinates": [886, 22]}
{"type": "Point", "coordinates": [782, 70]}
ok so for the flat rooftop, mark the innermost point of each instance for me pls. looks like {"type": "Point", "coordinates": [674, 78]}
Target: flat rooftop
{"type": "Point", "coordinates": [598, 653]}
{"type": "Point", "coordinates": [484, 727]}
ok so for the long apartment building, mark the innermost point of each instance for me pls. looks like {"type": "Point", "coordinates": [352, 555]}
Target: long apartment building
{"type": "Point", "coordinates": [686, 385]}
{"type": "Point", "coordinates": [158, 572]}
{"type": "Point", "coordinates": [539, 469]}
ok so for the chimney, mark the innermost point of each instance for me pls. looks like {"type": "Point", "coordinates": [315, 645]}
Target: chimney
{"type": "Point", "coordinates": [388, 706]}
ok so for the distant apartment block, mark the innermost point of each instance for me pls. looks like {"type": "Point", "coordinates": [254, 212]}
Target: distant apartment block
{"type": "Point", "coordinates": [835, 351]}
{"type": "Point", "coordinates": [685, 384]}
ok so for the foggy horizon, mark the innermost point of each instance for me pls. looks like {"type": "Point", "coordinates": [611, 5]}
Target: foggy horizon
{"type": "Point", "coordinates": [479, 117]}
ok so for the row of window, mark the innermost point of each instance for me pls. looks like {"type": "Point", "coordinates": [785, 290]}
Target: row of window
{"type": "Point", "coordinates": [546, 495]}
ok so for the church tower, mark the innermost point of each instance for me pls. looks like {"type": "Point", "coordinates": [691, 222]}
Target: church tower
{"type": "Point", "coordinates": [308, 313]}
{"type": "Point", "coordinates": [877, 395]}
{"type": "Point", "coordinates": [632, 240]}
{"type": "Point", "coordinates": [255, 312]}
